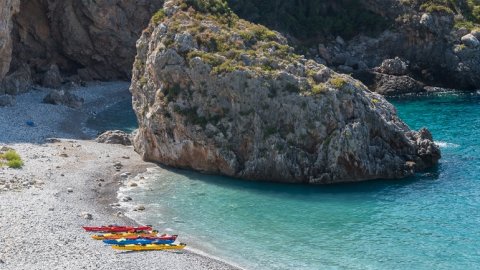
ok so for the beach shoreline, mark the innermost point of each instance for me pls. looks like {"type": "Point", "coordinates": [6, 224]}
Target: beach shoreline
{"type": "Point", "coordinates": [66, 180]}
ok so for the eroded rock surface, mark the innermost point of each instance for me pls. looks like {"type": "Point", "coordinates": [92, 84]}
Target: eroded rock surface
{"type": "Point", "coordinates": [217, 94]}
{"type": "Point", "coordinates": [90, 39]}
{"type": "Point", "coordinates": [8, 8]}
{"type": "Point", "coordinates": [114, 137]}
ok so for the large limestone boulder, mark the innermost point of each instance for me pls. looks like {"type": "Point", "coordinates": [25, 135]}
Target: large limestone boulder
{"type": "Point", "coordinates": [114, 137]}
{"type": "Point", "coordinates": [217, 94]}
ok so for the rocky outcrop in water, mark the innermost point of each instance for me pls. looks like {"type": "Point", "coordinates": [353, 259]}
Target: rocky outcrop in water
{"type": "Point", "coordinates": [220, 95]}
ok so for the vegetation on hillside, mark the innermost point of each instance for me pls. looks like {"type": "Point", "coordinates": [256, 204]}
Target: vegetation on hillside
{"type": "Point", "coordinates": [228, 44]}
{"type": "Point", "coordinates": [467, 12]}
{"type": "Point", "coordinates": [311, 20]}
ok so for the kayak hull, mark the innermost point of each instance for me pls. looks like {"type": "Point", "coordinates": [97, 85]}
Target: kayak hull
{"type": "Point", "coordinates": [117, 229]}
{"type": "Point", "coordinates": [140, 241]}
{"type": "Point", "coordinates": [149, 247]}
{"type": "Point", "coordinates": [133, 236]}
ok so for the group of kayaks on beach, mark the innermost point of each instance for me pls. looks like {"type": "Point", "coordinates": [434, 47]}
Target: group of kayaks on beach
{"type": "Point", "coordinates": [129, 238]}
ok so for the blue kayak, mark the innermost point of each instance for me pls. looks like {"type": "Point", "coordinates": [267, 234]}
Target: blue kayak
{"type": "Point", "coordinates": [139, 241]}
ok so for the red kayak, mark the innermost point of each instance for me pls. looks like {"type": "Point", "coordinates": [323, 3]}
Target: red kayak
{"type": "Point", "coordinates": [110, 229]}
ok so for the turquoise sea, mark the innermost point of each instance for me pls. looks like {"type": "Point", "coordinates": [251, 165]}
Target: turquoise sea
{"type": "Point", "coordinates": [430, 221]}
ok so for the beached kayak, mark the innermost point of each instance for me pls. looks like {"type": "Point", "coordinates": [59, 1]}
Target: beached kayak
{"type": "Point", "coordinates": [117, 229]}
{"type": "Point", "coordinates": [149, 247]}
{"type": "Point", "coordinates": [139, 241]}
{"type": "Point", "coordinates": [154, 234]}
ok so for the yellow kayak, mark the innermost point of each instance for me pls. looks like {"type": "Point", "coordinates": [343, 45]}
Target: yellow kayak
{"type": "Point", "coordinates": [150, 247]}
{"type": "Point", "coordinates": [132, 235]}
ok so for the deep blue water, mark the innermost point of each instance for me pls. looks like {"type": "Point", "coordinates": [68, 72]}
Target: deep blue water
{"type": "Point", "coordinates": [119, 116]}
{"type": "Point", "coordinates": [430, 221]}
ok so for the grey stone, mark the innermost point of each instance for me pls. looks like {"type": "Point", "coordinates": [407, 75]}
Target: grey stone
{"type": "Point", "coordinates": [114, 137]}
{"type": "Point", "coordinates": [476, 33]}
{"type": "Point", "coordinates": [470, 41]}
{"type": "Point", "coordinates": [391, 85]}
{"type": "Point", "coordinates": [17, 82]}
{"type": "Point", "coordinates": [86, 215]}
{"type": "Point", "coordinates": [63, 97]}
{"type": "Point", "coordinates": [132, 184]}
{"type": "Point", "coordinates": [394, 66]}
{"type": "Point", "coordinates": [139, 208]}
{"type": "Point", "coordinates": [52, 77]}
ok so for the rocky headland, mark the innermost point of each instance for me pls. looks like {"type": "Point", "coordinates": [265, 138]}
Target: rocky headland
{"type": "Point", "coordinates": [218, 94]}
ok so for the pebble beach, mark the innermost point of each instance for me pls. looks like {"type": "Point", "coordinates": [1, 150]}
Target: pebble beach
{"type": "Point", "coordinates": [69, 182]}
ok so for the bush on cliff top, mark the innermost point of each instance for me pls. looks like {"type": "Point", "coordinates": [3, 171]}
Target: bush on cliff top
{"type": "Point", "coordinates": [467, 12]}
{"type": "Point", "coordinates": [214, 7]}
{"type": "Point", "coordinates": [233, 44]}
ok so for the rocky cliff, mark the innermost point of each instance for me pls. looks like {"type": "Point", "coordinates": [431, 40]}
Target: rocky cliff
{"type": "Point", "coordinates": [218, 94]}
{"type": "Point", "coordinates": [437, 39]}
{"type": "Point", "coordinates": [7, 9]}
{"type": "Point", "coordinates": [81, 39]}
{"type": "Point", "coordinates": [54, 41]}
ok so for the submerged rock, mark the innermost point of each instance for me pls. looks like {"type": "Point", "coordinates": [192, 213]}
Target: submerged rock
{"type": "Point", "coordinates": [217, 94]}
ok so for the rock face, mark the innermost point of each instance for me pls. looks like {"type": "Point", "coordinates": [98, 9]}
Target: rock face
{"type": "Point", "coordinates": [17, 82]}
{"type": "Point", "coordinates": [7, 9]}
{"type": "Point", "coordinates": [94, 39]}
{"type": "Point", "coordinates": [217, 94]}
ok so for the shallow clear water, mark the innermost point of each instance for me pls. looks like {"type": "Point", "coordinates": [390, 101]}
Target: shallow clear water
{"type": "Point", "coordinates": [119, 116]}
{"type": "Point", "coordinates": [430, 221]}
